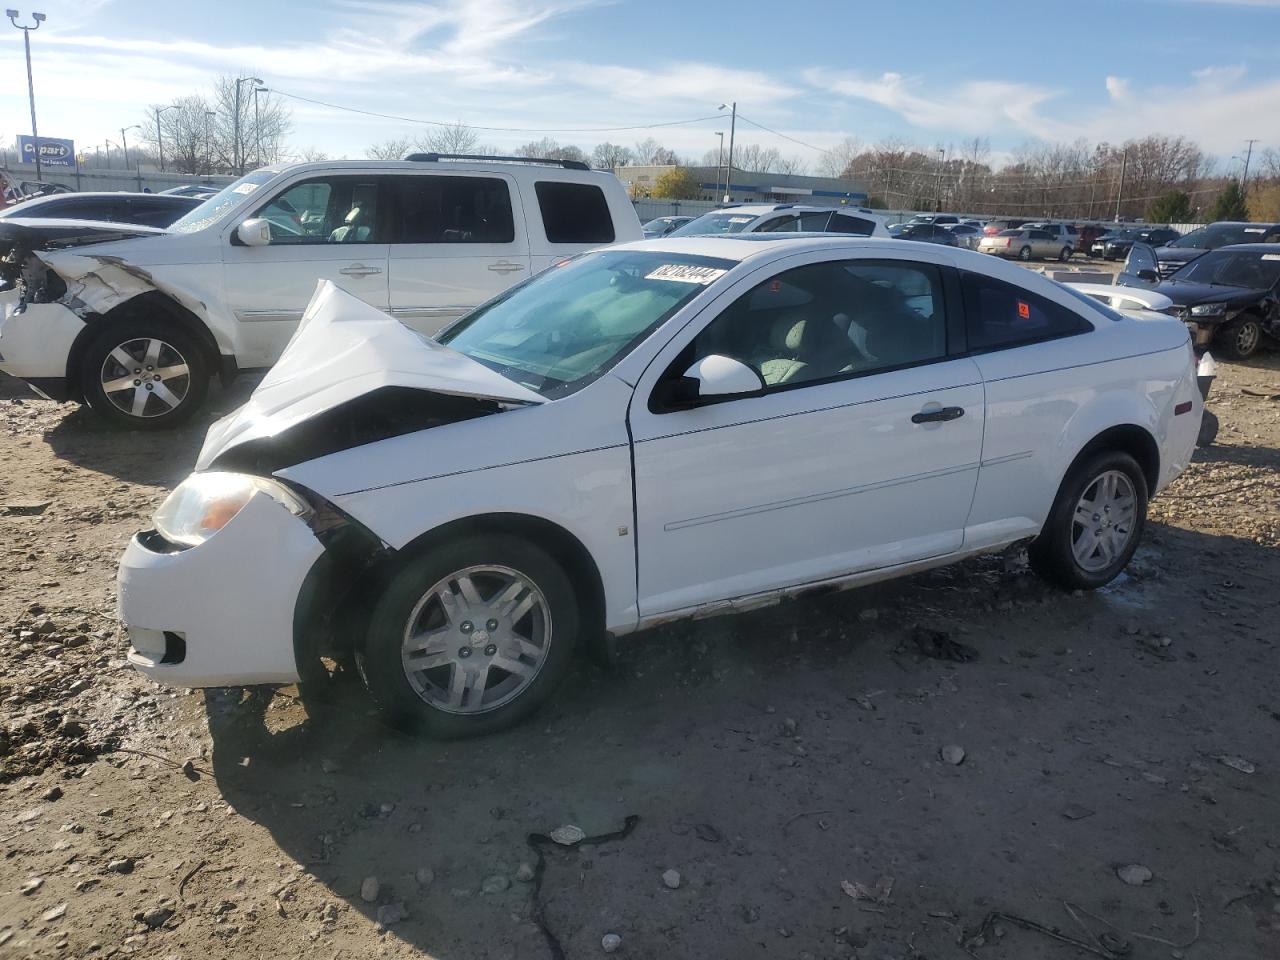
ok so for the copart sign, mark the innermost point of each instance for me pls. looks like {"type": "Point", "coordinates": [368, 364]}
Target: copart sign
{"type": "Point", "coordinates": [53, 152]}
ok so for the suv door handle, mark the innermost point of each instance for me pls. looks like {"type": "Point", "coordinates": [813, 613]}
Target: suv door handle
{"type": "Point", "coordinates": [359, 270]}
{"type": "Point", "coordinates": [505, 266]}
{"type": "Point", "coordinates": [940, 415]}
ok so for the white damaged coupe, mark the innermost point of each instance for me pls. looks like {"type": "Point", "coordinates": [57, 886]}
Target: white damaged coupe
{"type": "Point", "coordinates": [658, 430]}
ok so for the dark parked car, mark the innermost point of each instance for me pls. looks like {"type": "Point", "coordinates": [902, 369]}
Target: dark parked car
{"type": "Point", "coordinates": [925, 233]}
{"type": "Point", "coordinates": [201, 190]}
{"type": "Point", "coordinates": [661, 226]}
{"type": "Point", "coordinates": [1215, 235]}
{"type": "Point", "coordinates": [1117, 246]}
{"type": "Point", "coordinates": [1087, 235]}
{"type": "Point", "coordinates": [1229, 297]}
{"type": "Point", "coordinates": [146, 209]}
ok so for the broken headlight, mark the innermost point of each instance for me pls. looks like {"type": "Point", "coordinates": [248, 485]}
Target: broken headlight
{"type": "Point", "coordinates": [204, 503]}
{"type": "Point", "coordinates": [1209, 310]}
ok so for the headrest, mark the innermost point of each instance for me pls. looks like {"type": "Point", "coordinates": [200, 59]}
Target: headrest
{"type": "Point", "coordinates": [787, 333]}
{"type": "Point", "coordinates": [353, 215]}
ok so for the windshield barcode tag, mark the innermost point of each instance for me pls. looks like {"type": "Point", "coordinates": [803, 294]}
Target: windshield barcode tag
{"type": "Point", "coordinates": [685, 273]}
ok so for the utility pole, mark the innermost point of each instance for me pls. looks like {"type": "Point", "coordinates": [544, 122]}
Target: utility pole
{"type": "Point", "coordinates": [39, 18]}
{"type": "Point", "coordinates": [1244, 181]}
{"type": "Point", "coordinates": [942, 159]}
{"type": "Point", "coordinates": [1124, 162]}
{"type": "Point", "coordinates": [159, 135]}
{"type": "Point", "coordinates": [124, 142]}
{"type": "Point", "coordinates": [257, 120]}
{"type": "Point", "coordinates": [208, 143]}
{"type": "Point", "coordinates": [733, 128]}
{"type": "Point", "coordinates": [237, 158]}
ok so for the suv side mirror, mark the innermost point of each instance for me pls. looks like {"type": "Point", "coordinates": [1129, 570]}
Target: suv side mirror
{"type": "Point", "coordinates": [255, 232]}
{"type": "Point", "coordinates": [1150, 276]}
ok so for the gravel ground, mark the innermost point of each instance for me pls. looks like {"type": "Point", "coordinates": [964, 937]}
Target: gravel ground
{"type": "Point", "coordinates": [1105, 768]}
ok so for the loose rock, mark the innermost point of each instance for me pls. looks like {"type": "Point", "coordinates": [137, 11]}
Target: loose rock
{"type": "Point", "coordinates": [369, 889]}
{"type": "Point", "coordinates": [610, 942]}
{"type": "Point", "coordinates": [1134, 874]}
{"type": "Point", "coordinates": [495, 884]}
{"type": "Point", "coordinates": [953, 754]}
{"type": "Point", "coordinates": [123, 865]}
{"type": "Point", "coordinates": [568, 835]}
{"type": "Point", "coordinates": [525, 872]}
{"type": "Point", "coordinates": [671, 879]}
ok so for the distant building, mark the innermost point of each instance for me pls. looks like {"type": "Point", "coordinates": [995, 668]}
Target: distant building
{"type": "Point", "coordinates": [747, 187]}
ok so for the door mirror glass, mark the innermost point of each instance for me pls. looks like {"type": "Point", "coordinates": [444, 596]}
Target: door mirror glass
{"type": "Point", "coordinates": [721, 376]}
{"type": "Point", "coordinates": [255, 232]}
{"type": "Point", "coordinates": [1140, 267]}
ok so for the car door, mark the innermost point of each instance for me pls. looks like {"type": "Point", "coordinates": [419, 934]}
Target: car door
{"type": "Point", "coordinates": [1042, 243]}
{"type": "Point", "coordinates": [845, 223]}
{"type": "Point", "coordinates": [860, 451]}
{"type": "Point", "coordinates": [1141, 269]}
{"type": "Point", "coordinates": [323, 227]}
{"type": "Point", "coordinates": [459, 240]}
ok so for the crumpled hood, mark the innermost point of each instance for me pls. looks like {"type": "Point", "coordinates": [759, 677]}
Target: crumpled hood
{"type": "Point", "coordinates": [1140, 303]}
{"type": "Point", "coordinates": [344, 349]}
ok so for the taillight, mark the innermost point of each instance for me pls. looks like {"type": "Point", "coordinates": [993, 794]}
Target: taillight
{"type": "Point", "coordinates": [1008, 241]}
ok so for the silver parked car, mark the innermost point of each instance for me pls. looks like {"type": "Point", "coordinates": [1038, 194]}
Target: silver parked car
{"type": "Point", "coordinates": [967, 235]}
{"type": "Point", "coordinates": [1024, 244]}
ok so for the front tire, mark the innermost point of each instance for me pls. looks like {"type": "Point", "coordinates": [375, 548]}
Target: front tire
{"type": "Point", "coordinates": [1024, 253]}
{"type": "Point", "coordinates": [144, 375]}
{"type": "Point", "coordinates": [1065, 255]}
{"type": "Point", "coordinates": [1095, 524]}
{"type": "Point", "coordinates": [1240, 338]}
{"type": "Point", "coordinates": [470, 638]}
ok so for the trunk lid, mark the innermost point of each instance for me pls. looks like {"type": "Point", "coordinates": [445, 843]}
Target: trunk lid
{"type": "Point", "coordinates": [345, 349]}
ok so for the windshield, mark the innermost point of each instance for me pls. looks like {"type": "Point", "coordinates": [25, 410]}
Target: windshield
{"type": "Point", "coordinates": [723, 221]}
{"type": "Point", "coordinates": [560, 330]}
{"type": "Point", "coordinates": [212, 209]}
{"type": "Point", "coordinates": [1211, 238]}
{"type": "Point", "coordinates": [1226, 268]}
{"type": "Point", "coordinates": [1009, 233]}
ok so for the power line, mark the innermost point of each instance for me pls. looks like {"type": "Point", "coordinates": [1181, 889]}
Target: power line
{"type": "Point", "coordinates": [469, 126]}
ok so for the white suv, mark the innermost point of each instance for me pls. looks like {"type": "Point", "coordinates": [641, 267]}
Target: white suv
{"type": "Point", "coordinates": [785, 218]}
{"type": "Point", "coordinates": [135, 322]}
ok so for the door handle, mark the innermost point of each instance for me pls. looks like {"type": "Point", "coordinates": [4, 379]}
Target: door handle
{"type": "Point", "coordinates": [940, 415]}
{"type": "Point", "coordinates": [359, 270]}
{"type": "Point", "coordinates": [505, 266]}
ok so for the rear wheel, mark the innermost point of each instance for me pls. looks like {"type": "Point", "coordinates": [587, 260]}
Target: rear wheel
{"type": "Point", "coordinates": [144, 375]}
{"type": "Point", "coordinates": [1241, 337]}
{"type": "Point", "coordinates": [1095, 524]}
{"type": "Point", "coordinates": [1065, 255]}
{"type": "Point", "coordinates": [470, 638]}
{"type": "Point", "coordinates": [1024, 253]}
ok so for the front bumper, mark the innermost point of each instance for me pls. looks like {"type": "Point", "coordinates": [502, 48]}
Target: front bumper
{"type": "Point", "coordinates": [219, 614]}
{"type": "Point", "coordinates": [36, 339]}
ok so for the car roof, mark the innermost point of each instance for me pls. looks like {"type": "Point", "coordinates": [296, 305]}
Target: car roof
{"type": "Point", "coordinates": [438, 166]}
{"type": "Point", "coordinates": [1250, 248]}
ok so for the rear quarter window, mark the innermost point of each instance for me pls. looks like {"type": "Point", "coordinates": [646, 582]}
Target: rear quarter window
{"type": "Point", "coordinates": [574, 212]}
{"type": "Point", "coordinates": [999, 315]}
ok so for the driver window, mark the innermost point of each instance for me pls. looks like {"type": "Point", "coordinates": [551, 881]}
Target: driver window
{"type": "Point", "coordinates": [829, 320]}
{"type": "Point", "coordinates": [327, 210]}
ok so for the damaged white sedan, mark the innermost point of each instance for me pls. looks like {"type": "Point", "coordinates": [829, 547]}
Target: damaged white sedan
{"type": "Point", "coordinates": [660, 430]}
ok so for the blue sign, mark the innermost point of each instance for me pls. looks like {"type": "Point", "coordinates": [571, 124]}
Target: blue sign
{"type": "Point", "coordinates": [53, 152]}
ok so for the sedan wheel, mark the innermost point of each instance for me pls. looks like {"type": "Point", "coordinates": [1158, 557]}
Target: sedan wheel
{"type": "Point", "coordinates": [470, 635]}
{"type": "Point", "coordinates": [1104, 521]}
{"type": "Point", "coordinates": [1241, 338]}
{"type": "Point", "coordinates": [1024, 253]}
{"type": "Point", "coordinates": [476, 640]}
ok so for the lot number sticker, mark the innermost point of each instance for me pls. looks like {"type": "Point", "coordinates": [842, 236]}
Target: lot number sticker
{"type": "Point", "coordinates": [685, 273]}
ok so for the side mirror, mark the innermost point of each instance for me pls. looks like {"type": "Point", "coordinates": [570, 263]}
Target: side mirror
{"type": "Point", "coordinates": [255, 232]}
{"type": "Point", "coordinates": [1150, 276]}
{"type": "Point", "coordinates": [711, 378]}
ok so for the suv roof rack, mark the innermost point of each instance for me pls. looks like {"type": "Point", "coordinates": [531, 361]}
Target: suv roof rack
{"type": "Point", "coordinates": [435, 157]}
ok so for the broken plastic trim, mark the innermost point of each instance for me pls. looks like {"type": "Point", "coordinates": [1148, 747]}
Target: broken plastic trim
{"type": "Point", "coordinates": [379, 415]}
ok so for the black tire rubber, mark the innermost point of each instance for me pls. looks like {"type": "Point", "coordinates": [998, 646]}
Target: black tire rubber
{"type": "Point", "coordinates": [1065, 255]}
{"type": "Point", "coordinates": [1226, 338]}
{"type": "Point", "coordinates": [1024, 254]}
{"type": "Point", "coordinates": [378, 655]}
{"type": "Point", "coordinates": [117, 333]}
{"type": "Point", "coordinates": [1050, 553]}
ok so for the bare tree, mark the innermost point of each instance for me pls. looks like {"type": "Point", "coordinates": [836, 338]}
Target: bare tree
{"type": "Point", "coordinates": [756, 159]}
{"type": "Point", "coordinates": [310, 155]}
{"type": "Point", "coordinates": [835, 161]}
{"type": "Point", "coordinates": [248, 132]}
{"type": "Point", "coordinates": [392, 149]}
{"type": "Point", "coordinates": [650, 152]}
{"type": "Point", "coordinates": [610, 156]}
{"type": "Point", "coordinates": [549, 149]}
{"type": "Point", "coordinates": [792, 166]}
{"type": "Point", "coordinates": [454, 138]}
{"type": "Point", "coordinates": [186, 127]}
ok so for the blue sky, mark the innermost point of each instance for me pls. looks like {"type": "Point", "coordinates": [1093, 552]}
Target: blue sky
{"type": "Point", "coordinates": [933, 72]}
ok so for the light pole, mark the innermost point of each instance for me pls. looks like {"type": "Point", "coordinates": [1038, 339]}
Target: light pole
{"type": "Point", "coordinates": [942, 160]}
{"type": "Point", "coordinates": [39, 18]}
{"type": "Point", "coordinates": [719, 159]}
{"type": "Point", "coordinates": [1244, 180]}
{"type": "Point", "coordinates": [159, 135]}
{"type": "Point", "coordinates": [208, 143]}
{"type": "Point", "coordinates": [1124, 164]}
{"type": "Point", "coordinates": [124, 142]}
{"type": "Point", "coordinates": [733, 127]}
{"type": "Point", "coordinates": [238, 154]}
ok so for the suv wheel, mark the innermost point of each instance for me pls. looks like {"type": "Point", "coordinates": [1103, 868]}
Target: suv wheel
{"type": "Point", "coordinates": [1095, 524]}
{"type": "Point", "coordinates": [1024, 253]}
{"type": "Point", "coordinates": [1065, 255]}
{"type": "Point", "coordinates": [1241, 337]}
{"type": "Point", "coordinates": [144, 375]}
{"type": "Point", "coordinates": [470, 638]}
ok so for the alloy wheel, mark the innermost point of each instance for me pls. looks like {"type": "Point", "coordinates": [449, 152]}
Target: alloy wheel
{"type": "Point", "coordinates": [145, 378]}
{"type": "Point", "coordinates": [1104, 521]}
{"type": "Point", "coordinates": [1247, 338]}
{"type": "Point", "coordinates": [476, 639]}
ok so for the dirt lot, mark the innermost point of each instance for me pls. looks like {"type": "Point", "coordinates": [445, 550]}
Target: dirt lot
{"type": "Point", "coordinates": [789, 764]}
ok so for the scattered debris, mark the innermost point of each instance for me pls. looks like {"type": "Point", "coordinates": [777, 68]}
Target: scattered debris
{"type": "Point", "coordinates": [1235, 763]}
{"type": "Point", "coordinates": [878, 894]}
{"type": "Point", "coordinates": [1134, 874]}
{"type": "Point", "coordinates": [369, 888]}
{"type": "Point", "coordinates": [707, 832]}
{"type": "Point", "coordinates": [953, 754]}
{"type": "Point", "coordinates": [610, 942]}
{"type": "Point", "coordinates": [568, 835]}
{"type": "Point", "coordinates": [54, 913]}
{"type": "Point", "coordinates": [390, 913]}
{"type": "Point", "coordinates": [671, 879]}
{"type": "Point", "coordinates": [425, 876]}
{"type": "Point", "coordinates": [495, 884]}
{"type": "Point", "coordinates": [1076, 811]}
{"type": "Point", "coordinates": [31, 886]}
{"type": "Point", "coordinates": [155, 917]}
{"type": "Point", "coordinates": [26, 508]}
{"type": "Point", "coordinates": [938, 645]}
{"type": "Point", "coordinates": [122, 865]}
